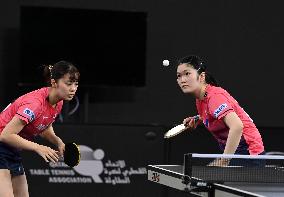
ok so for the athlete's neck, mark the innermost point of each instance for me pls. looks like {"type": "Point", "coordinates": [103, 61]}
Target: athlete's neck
{"type": "Point", "coordinates": [202, 92]}
{"type": "Point", "coordinates": [52, 98]}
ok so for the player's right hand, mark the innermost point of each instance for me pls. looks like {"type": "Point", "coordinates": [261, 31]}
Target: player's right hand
{"type": "Point", "coordinates": [191, 122]}
{"type": "Point", "coordinates": [47, 153]}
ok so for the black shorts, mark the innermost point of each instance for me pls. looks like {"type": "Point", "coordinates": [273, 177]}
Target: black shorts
{"type": "Point", "coordinates": [11, 159]}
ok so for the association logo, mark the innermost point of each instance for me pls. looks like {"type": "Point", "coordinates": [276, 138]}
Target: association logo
{"type": "Point", "coordinates": [94, 168]}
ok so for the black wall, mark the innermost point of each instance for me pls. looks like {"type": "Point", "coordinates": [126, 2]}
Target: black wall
{"type": "Point", "coordinates": [241, 41]}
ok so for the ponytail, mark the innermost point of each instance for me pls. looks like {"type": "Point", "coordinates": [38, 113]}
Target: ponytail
{"type": "Point", "coordinates": [211, 80]}
{"type": "Point", "coordinates": [47, 73]}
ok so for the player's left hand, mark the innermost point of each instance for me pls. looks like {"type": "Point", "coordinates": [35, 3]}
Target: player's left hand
{"type": "Point", "coordinates": [220, 162]}
{"type": "Point", "coordinates": [61, 148]}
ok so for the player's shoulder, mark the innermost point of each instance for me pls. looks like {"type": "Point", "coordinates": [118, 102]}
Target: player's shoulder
{"type": "Point", "coordinates": [213, 91]}
{"type": "Point", "coordinates": [217, 94]}
{"type": "Point", "coordinates": [36, 97]}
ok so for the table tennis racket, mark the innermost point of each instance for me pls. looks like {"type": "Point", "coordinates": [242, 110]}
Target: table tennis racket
{"type": "Point", "coordinates": [179, 128]}
{"type": "Point", "coordinates": [72, 154]}
{"type": "Point", "coordinates": [175, 131]}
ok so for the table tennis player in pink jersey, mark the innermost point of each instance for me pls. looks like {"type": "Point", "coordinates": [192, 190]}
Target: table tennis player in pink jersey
{"type": "Point", "coordinates": [218, 110]}
{"type": "Point", "coordinates": [30, 115]}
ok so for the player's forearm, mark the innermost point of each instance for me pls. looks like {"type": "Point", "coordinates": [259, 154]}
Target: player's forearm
{"type": "Point", "coordinates": [233, 140]}
{"type": "Point", "coordinates": [54, 139]}
{"type": "Point", "coordinates": [17, 141]}
{"type": "Point", "coordinates": [51, 137]}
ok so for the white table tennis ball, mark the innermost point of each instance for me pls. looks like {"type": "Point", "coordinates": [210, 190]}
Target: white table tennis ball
{"type": "Point", "coordinates": [166, 63]}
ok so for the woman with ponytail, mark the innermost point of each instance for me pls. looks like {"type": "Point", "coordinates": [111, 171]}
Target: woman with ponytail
{"type": "Point", "coordinates": [218, 110]}
{"type": "Point", "coordinates": [28, 116]}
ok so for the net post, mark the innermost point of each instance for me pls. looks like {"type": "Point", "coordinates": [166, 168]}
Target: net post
{"type": "Point", "coordinates": [187, 168]}
{"type": "Point", "coordinates": [187, 163]}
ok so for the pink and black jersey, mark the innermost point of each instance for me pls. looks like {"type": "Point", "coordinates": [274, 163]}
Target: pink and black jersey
{"type": "Point", "coordinates": [214, 107]}
{"type": "Point", "coordinates": [34, 109]}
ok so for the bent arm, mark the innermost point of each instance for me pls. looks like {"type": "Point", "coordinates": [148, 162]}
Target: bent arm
{"type": "Point", "coordinates": [235, 132]}
{"type": "Point", "coordinates": [49, 135]}
{"type": "Point", "coordinates": [10, 135]}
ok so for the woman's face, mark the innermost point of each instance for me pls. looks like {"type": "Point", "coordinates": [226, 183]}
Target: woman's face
{"type": "Point", "coordinates": [65, 88]}
{"type": "Point", "coordinates": [188, 79]}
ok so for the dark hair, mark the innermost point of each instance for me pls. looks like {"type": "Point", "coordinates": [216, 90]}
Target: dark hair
{"type": "Point", "coordinates": [59, 69]}
{"type": "Point", "coordinates": [197, 63]}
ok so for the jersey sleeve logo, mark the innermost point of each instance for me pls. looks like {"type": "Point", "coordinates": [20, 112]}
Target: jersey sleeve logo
{"type": "Point", "coordinates": [220, 109]}
{"type": "Point", "coordinates": [29, 113]}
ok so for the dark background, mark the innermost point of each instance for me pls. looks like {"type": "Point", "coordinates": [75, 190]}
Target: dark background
{"type": "Point", "coordinates": [240, 41]}
{"type": "Point", "coordinates": [103, 43]}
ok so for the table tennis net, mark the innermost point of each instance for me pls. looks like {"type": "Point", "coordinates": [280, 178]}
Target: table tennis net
{"type": "Point", "coordinates": [235, 168]}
